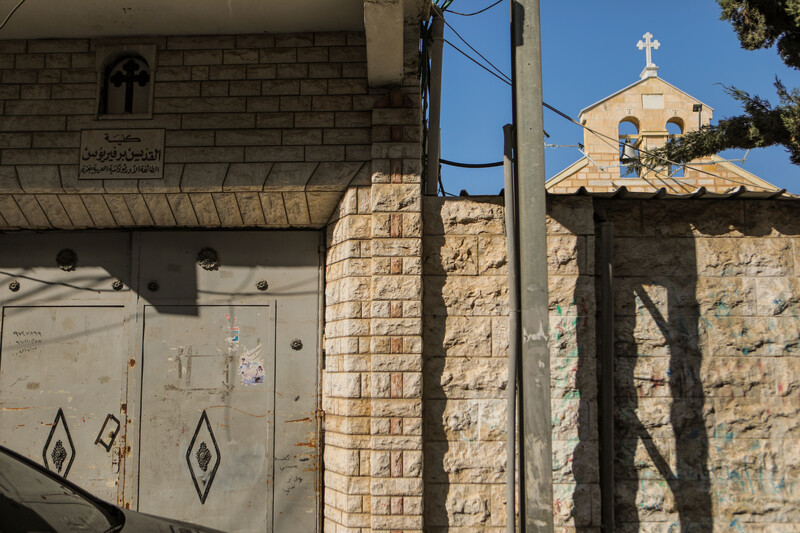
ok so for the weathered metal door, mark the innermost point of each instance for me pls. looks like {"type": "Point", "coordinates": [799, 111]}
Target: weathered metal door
{"type": "Point", "coordinates": [174, 373]}
{"type": "Point", "coordinates": [207, 404]}
{"type": "Point", "coordinates": [62, 355]}
{"type": "Point", "coordinates": [53, 409]}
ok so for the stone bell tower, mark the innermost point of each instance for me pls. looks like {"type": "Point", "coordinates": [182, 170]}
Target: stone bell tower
{"type": "Point", "coordinates": [643, 116]}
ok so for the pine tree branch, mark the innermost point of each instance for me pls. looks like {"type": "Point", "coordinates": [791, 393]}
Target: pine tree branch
{"type": "Point", "coordinates": [761, 125]}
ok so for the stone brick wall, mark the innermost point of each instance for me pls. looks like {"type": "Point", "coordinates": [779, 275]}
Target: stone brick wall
{"type": "Point", "coordinates": [372, 393]}
{"type": "Point", "coordinates": [465, 340]}
{"type": "Point", "coordinates": [261, 130]}
{"type": "Point", "coordinates": [466, 349]}
{"type": "Point", "coordinates": [707, 340]}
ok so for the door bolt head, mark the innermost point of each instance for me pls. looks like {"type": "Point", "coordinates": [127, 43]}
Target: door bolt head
{"type": "Point", "coordinates": [297, 344]}
{"type": "Point", "coordinates": [67, 260]}
{"type": "Point", "coordinates": [117, 285]}
{"type": "Point", "coordinates": [13, 286]}
{"type": "Point", "coordinates": [153, 285]}
{"type": "Point", "coordinates": [262, 285]}
{"type": "Point", "coordinates": [208, 259]}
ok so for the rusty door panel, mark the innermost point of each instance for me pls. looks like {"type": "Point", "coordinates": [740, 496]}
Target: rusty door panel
{"type": "Point", "coordinates": [54, 409]}
{"type": "Point", "coordinates": [207, 415]}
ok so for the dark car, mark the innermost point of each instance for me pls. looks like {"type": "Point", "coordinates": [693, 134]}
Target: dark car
{"type": "Point", "coordinates": [34, 500]}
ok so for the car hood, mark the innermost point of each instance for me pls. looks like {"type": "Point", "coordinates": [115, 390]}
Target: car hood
{"type": "Point", "coordinates": [139, 522]}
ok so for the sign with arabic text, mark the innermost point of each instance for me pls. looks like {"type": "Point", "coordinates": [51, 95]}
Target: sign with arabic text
{"type": "Point", "coordinates": [121, 154]}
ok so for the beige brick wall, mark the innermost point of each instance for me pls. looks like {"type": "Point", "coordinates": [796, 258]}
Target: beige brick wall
{"type": "Point", "coordinates": [261, 130]}
{"type": "Point", "coordinates": [465, 347]}
{"type": "Point", "coordinates": [373, 380]}
{"type": "Point", "coordinates": [373, 333]}
{"type": "Point", "coordinates": [707, 341]}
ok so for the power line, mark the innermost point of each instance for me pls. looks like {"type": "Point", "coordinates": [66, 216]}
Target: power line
{"type": "Point", "coordinates": [477, 62]}
{"type": "Point", "coordinates": [11, 13]}
{"type": "Point", "coordinates": [471, 165]}
{"type": "Point", "coordinates": [616, 141]}
{"type": "Point", "coordinates": [477, 12]}
{"type": "Point", "coordinates": [506, 79]}
{"type": "Point", "coordinates": [474, 50]}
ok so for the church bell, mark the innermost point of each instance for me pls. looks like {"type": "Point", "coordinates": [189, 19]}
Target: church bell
{"type": "Point", "coordinates": [628, 153]}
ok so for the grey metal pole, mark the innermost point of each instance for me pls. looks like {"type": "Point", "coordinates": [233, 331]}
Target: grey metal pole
{"type": "Point", "coordinates": [513, 328]}
{"type": "Point", "coordinates": [434, 128]}
{"type": "Point", "coordinates": [535, 362]}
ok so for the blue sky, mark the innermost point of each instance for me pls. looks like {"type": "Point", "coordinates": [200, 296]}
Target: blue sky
{"type": "Point", "coordinates": [589, 52]}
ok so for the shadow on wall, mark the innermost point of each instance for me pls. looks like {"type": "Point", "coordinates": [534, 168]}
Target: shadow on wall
{"type": "Point", "coordinates": [464, 365]}
{"type": "Point", "coordinates": [436, 446]}
{"type": "Point", "coordinates": [676, 265]}
{"type": "Point", "coordinates": [573, 366]}
{"type": "Point", "coordinates": [662, 470]}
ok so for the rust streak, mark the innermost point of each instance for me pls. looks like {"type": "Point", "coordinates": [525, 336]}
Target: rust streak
{"type": "Point", "coordinates": [306, 419]}
{"type": "Point", "coordinates": [14, 408]}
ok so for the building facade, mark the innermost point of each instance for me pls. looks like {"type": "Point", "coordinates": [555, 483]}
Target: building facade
{"type": "Point", "coordinates": [226, 300]}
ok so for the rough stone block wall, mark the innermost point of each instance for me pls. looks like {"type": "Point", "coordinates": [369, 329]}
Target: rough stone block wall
{"type": "Point", "coordinates": [466, 349]}
{"type": "Point", "coordinates": [707, 339]}
{"type": "Point", "coordinates": [260, 130]}
{"type": "Point", "coordinates": [573, 368]}
{"type": "Point", "coordinates": [465, 340]}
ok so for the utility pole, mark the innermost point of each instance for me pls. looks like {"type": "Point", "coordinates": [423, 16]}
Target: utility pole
{"type": "Point", "coordinates": [536, 453]}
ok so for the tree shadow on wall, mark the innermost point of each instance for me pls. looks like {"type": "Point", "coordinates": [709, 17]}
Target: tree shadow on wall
{"type": "Point", "coordinates": [659, 396]}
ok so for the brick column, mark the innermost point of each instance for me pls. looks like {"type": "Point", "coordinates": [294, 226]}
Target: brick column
{"type": "Point", "coordinates": [346, 379]}
{"type": "Point", "coordinates": [395, 384]}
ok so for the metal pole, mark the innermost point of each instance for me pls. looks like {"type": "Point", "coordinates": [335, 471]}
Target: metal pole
{"type": "Point", "coordinates": [607, 375]}
{"type": "Point", "coordinates": [535, 362]}
{"type": "Point", "coordinates": [513, 328]}
{"type": "Point", "coordinates": [434, 129]}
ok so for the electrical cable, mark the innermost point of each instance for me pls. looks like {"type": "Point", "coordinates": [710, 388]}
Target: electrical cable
{"type": "Point", "coordinates": [506, 79]}
{"type": "Point", "coordinates": [569, 118]}
{"type": "Point", "coordinates": [471, 165]}
{"type": "Point", "coordinates": [11, 13]}
{"type": "Point", "coordinates": [616, 141]}
{"type": "Point", "coordinates": [476, 62]}
{"type": "Point", "coordinates": [477, 12]}
{"type": "Point", "coordinates": [503, 74]}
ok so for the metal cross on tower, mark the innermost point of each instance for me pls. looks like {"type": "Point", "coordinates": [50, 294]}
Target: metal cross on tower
{"type": "Point", "coordinates": [649, 46]}
{"type": "Point", "coordinates": [129, 78]}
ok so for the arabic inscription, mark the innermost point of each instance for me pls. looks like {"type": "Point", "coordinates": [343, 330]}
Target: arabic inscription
{"type": "Point", "coordinates": [121, 154]}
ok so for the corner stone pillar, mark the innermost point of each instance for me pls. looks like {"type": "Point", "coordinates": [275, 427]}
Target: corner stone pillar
{"type": "Point", "coordinates": [396, 318]}
{"type": "Point", "coordinates": [373, 378]}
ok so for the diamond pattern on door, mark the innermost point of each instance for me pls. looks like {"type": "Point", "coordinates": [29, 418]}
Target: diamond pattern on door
{"type": "Point", "coordinates": [203, 458]}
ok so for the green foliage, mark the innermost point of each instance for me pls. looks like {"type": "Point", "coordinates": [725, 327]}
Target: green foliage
{"type": "Point", "coordinates": [758, 24]}
{"type": "Point", "coordinates": [762, 23]}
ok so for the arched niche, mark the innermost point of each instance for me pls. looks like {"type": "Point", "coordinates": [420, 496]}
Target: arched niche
{"type": "Point", "coordinates": [628, 135]}
{"type": "Point", "coordinates": [675, 128]}
{"type": "Point", "coordinates": [125, 81]}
